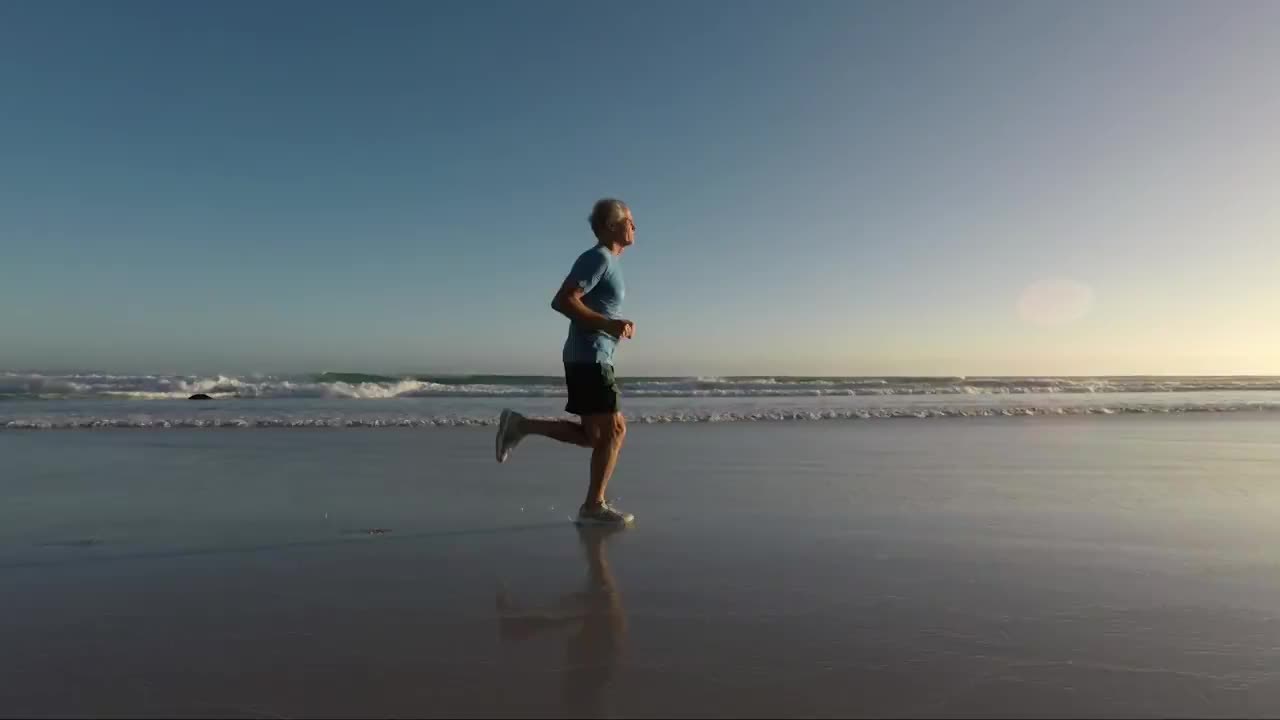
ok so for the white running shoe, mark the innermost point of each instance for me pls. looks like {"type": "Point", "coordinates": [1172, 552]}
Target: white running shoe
{"type": "Point", "coordinates": [509, 434]}
{"type": "Point", "coordinates": [604, 514]}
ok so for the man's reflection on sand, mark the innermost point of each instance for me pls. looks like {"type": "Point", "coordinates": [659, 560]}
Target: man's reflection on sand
{"type": "Point", "coordinates": [594, 649]}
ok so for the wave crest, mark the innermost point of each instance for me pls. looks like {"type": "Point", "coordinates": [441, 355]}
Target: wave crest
{"type": "Point", "coordinates": [356, 386]}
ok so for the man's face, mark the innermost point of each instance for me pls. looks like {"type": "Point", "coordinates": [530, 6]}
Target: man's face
{"type": "Point", "coordinates": [626, 230]}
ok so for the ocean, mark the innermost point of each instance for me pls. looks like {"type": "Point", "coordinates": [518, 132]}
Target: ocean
{"type": "Point", "coordinates": [35, 400]}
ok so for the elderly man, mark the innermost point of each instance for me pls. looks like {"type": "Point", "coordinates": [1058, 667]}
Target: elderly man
{"type": "Point", "coordinates": [591, 297]}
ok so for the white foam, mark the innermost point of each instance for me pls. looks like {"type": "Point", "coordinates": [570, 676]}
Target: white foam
{"type": "Point", "coordinates": [168, 387]}
{"type": "Point", "coordinates": [243, 420]}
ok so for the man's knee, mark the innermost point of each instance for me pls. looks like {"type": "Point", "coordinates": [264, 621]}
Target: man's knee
{"type": "Point", "coordinates": [582, 434]}
{"type": "Point", "coordinates": [576, 433]}
{"type": "Point", "coordinates": [606, 430]}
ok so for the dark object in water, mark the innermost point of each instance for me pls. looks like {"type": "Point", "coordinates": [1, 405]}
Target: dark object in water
{"type": "Point", "coordinates": [199, 396]}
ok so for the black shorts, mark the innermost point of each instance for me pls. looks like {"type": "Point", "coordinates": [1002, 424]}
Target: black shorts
{"type": "Point", "coordinates": [592, 389]}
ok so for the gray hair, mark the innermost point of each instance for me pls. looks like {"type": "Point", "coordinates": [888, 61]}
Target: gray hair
{"type": "Point", "coordinates": [605, 214]}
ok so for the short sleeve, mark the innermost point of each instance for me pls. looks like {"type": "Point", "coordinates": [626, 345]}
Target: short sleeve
{"type": "Point", "coordinates": [587, 270]}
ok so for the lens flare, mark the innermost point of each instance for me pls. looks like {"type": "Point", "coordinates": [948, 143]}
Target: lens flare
{"type": "Point", "coordinates": [1055, 301]}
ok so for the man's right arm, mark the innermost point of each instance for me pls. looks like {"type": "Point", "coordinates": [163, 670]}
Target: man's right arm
{"type": "Point", "coordinates": [587, 271]}
{"type": "Point", "coordinates": [568, 302]}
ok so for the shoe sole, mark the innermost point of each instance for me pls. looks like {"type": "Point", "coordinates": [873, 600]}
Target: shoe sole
{"type": "Point", "coordinates": [504, 423]}
{"type": "Point", "coordinates": [590, 522]}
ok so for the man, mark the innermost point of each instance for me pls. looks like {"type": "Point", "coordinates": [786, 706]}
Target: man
{"type": "Point", "coordinates": [591, 297]}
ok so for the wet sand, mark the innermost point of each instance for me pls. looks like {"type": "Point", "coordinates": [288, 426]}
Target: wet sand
{"type": "Point", "coordinates": [1013, 567]}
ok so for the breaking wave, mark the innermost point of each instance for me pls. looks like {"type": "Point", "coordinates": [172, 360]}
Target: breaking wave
{"type": "Point", "coordinates": [364, 386]}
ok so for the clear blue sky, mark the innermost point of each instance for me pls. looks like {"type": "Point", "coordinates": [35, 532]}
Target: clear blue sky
{"type": "Point", "coordinates": [819, 187]}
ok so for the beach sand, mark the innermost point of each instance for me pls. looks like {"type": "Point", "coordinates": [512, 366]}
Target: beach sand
{"type": "Point", "coordinates": [1098, 566]}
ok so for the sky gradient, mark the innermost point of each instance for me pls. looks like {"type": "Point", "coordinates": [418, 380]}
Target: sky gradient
{"type": "Point", "coordinates": [819, 188]}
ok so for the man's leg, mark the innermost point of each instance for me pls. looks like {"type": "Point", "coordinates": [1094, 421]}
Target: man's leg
{"type": "Point", "coordinates": [514, 427]}
{"type": "Point", "coordinates": [605, 433]}
{"type": "Point", "coordinates": [566, 431]}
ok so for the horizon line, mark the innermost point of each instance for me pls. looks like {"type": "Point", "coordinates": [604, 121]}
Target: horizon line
{"type": "Point", "coordinates": [465, 374]}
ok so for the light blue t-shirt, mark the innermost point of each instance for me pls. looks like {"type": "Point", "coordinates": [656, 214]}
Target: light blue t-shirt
{"type": "Point", "coordinates": [599, 274]}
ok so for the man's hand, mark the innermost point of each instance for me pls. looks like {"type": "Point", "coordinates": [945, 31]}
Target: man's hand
{"type": "Point", "coordinates": [621, 329]}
